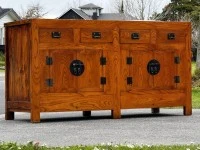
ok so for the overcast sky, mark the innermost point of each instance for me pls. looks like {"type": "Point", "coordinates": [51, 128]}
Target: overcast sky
{"type": "Point", "coordinates": [55, 8]}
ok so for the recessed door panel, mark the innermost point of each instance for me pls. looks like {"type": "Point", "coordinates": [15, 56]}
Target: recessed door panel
{"type": "Point", "coordinates": [63, 79]}
{"type": "Point", "coordinates": [90, 79]}
{"type": "Point", "coordinates": [138, 69]}
{"type": "Point", "coordinates": [165, 78]}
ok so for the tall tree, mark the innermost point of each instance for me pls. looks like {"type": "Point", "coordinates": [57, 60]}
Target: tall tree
{"type": "Point", "coordinates": [176, 10]}
{"type": "Point", "coordinates": [185, 10]}
{"type": "Point", "coordinates": [139, 9]}
{"type": "Point", "coordinates": [34, 10]}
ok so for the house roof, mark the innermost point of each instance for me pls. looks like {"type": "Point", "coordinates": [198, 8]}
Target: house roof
{"type": "Point", "coordinates": [77, 11]}
{"type": "Point", "coordinates": [111, 16]}
{"type": "Point", "coordinates": [5, 11]}
{"type": "Point", "coordinates": [115, 16]}
{"type": "Point", "coordinates": [90, 6]}
{"type": "Point", "coordinates": [102, 16]}
{"type": "Point", "coordinates": [81, 13]}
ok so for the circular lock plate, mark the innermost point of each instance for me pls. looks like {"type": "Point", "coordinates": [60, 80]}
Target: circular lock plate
{"type": "Point", "coordinates": [77, 67]}
{"type": "Point", "coordinates": [153, 67]}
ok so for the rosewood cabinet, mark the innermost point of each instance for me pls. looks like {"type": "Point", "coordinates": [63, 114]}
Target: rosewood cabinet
{"type": "Point", "coordinates": [76, 65]}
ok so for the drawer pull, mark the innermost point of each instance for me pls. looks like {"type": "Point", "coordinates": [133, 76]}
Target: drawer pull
{"type": "Point", "coordinates": [56, 34]}
{"type": "Point", "coordinates": [177, 79]}
{"type": "Point", "coordinates": [77, 67]}
{"type": "Point", "coordinates": [171, 36]}
{"type": "Point", "coordinates": [135, 36]}
{"type": "Point", "coordinates": [153, 67]}
{"type": "Point", "coordinates": [129, 80]}
{"type": "Point", "coordinates": [96, 35]}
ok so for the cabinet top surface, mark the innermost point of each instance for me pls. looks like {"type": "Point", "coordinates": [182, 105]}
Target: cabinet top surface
{"type": "Point", "coordinates": [65, 23]}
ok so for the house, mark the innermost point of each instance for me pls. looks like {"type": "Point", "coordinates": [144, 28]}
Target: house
{"type": "Point", "coordinates": [6, 15]}
{"type": "Point", "coordinates": [93, 12]}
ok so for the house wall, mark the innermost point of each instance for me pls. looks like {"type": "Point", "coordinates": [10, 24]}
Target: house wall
{"type": "Point", "coordinates": [5, 19]}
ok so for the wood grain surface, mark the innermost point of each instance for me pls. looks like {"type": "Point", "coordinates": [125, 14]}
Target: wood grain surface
{"type": "Point", "coordinates": [29, 43]}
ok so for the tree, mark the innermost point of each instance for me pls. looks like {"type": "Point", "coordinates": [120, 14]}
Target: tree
{"type": "Point", "coordinates": [33, 11]}
{"type": "Point", "coordinates": [185, 10]}
{"type": "Point", "coordinates": [176, 10]}
{"type": "Point", "coordinates": [139, 9]}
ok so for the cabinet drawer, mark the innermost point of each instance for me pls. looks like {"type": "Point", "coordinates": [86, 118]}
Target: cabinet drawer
{"type": "Point", "coordinates": [167, 36]}
{"type": "Point", "coordinates": [96, 36]}
{"type": "Point", "coordinates": [134, 36]}
{"type": "Point", "coordinates": [56, 35]}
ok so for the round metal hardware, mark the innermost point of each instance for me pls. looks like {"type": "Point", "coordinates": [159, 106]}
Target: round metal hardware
{"type": "Point", "coordinates": [77, 67]}
{"type": "Point", "coordinates": [153, 67]}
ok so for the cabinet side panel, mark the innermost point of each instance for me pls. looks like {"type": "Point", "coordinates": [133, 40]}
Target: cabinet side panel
{"type": "Point", "coordinates": [188, 101]}
{"type": "Point", "coordinates": [18, 66]}
{"type": "Point", "coordinates": [9, 66]}
{"type": "Point", "coordinates": [25, 63]}
{"type": "Point", "coordinates": [8, 86]}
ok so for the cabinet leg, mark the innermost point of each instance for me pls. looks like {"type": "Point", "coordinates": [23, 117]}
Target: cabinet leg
{"type": "Point", "coordinates": [87, 113]}
{"type": "Point", "coordinates": [116, 114]}
{"type": "Point", "coordinates": [187, 111]}
{"type": "Point", "coordinates": [9, 115]}
{"type": "Point", "coordinates": [155, 110]}
{"type": "Point", "coordinates": [35, 116]}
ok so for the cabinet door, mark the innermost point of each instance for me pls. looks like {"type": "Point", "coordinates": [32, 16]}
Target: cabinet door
{"type": "Point", "coordinates": [66, 78]}
{"type": "Point", "coordinates": [168, 70]}
{"type": "Point", "coordinates": [138, 70]}
{"type": "Point", "coordinates": [63, 80]}
{"type": "Point", "coordinates": [89, 81]}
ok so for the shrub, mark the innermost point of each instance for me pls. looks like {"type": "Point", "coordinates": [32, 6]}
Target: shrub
{"type": "Point", "coordinates": [196, 75]}
{"type": "Point", "coordinates": [2, 57]}
{"type": "Point", "coordinates": [196, 78]}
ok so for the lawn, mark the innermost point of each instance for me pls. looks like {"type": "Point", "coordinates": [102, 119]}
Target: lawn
{"type": "Point", "coordinates": [35, 146]}
{"type": "Point", "coordinates": [196, 97]}
{"type": "Point", "coordinates": [195, 91]}
{"type": "Point", "coordinates": [193, 67]}
{"type": "Point", "coordinates": [2, 63]}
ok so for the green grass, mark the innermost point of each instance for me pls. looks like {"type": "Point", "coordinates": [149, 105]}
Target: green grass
{"type": "Point", "coordinates": [196, 98]}
{"type": "Point", "coordinates": [195, 91]}
{"type": "Point", "coordinates": [2, 57]}
{"type": "Point", "coordinates": [2, 63]}
{"type": "Point", "coordinates": [36, 146]}
{"type": "Point", "coordinates": [2, 60]}
{"type": "Point", "coordinates": [193, 67]}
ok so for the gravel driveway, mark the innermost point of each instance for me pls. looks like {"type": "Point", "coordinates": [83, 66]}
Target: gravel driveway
{"type": "Point", "coordinates": [136, 127]}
